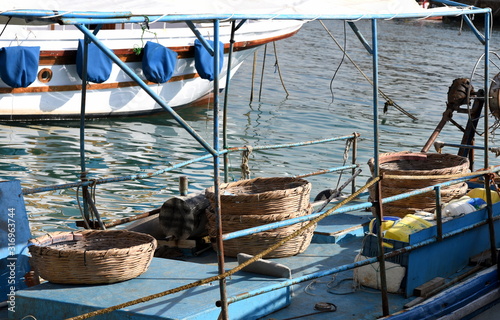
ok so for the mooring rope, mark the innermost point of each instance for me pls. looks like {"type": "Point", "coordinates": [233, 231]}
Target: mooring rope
{"type": "Point", "coordinates": [277, 65]}
{"type": "Point", "coordinates": [235, 269]}
{"type": "Point", "coordinates": [389, 101]}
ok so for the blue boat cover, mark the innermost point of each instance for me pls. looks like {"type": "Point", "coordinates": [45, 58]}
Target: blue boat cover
{"type": "Point", "coordinates": [98, 66]}
{"type": "Point", "coordinates": [158, 62]}
{"type": "Point", "coordinates": [203, 60]}
{"type": "Point", "coordinates": [19, 65]}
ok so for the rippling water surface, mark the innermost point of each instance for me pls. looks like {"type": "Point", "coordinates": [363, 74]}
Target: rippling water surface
{"type": "Point", "coordinates": [327, 98]}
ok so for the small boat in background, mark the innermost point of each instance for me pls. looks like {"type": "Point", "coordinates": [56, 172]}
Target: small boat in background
{"type": "Point", "coordinates": [426, 5]}
{"type": "Point", "coordinates": [51, 79]}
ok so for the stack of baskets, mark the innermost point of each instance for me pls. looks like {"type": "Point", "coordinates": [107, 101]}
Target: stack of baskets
{"type": "Point", "coordinates": [255, 202]}
{"type": "Point", "coordinates": [418, 164]}
{"type": "Point", "coordinates": [92, 256]}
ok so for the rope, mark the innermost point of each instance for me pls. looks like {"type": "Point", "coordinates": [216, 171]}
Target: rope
{"type": "Point", "coordinates": [442, 176]}
{"type": "Point", "coordinates": [5, 26]}
{"type": "Point", "coordinates": [85, 221]}
{"type": "Point", "coordinates": [245, 169]}
{"type": "Point", "coordinates": [232, 271]}
{"type": "Point", "coordinates": [341, 60]}
{"type": "Point", "coordinates": [277, 66]}
{"type": "Point", "coordinates": [388, 100]}
{"type": "Point", "coordinates": [348, 144]}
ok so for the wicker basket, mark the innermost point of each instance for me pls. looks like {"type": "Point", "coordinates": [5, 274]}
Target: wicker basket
{"type": "Point", "coordinates": [255, 202]}
{"type": "Point", "coordinates": [418, 164]}
{"type": "Point", "coordinates": [92, 256]}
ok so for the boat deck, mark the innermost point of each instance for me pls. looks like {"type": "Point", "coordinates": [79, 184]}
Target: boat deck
{"type": "Point", "coordinates": [337, 241]}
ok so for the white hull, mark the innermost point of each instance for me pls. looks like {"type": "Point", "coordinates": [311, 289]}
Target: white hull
{"type": "Point", "coordinates": [60, 98]}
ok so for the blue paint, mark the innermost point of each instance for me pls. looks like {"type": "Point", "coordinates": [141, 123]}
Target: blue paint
{"type": "Point", "coordinates": [453, 298]}
{"type": "Point", "coordinates": [445, 258]}
{"type": "Point", "coordinates": [332, 229]}
{"type": "Point", "coordinates": [54, 301]}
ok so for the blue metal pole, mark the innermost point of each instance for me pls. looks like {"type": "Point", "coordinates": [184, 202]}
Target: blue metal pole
{"type": "Point", "coordinates": [378, 196]}
{"type": "Point", "coordinates": [486, 84]}
{"type": "Point", "coordinates": [296, 144]}
{"type": "Point", "coordinates": [83, 173]}
{"type": "Point", "coordinates": [220, 245]}
{"type": "Point", "coordinates": [127, 17]}
{"type": "Point", "coordinates": [224, 108]}
{"type": "Point", "coordinates": [487, 180]}
{"type": "Point", "coordinates": [146, 88]}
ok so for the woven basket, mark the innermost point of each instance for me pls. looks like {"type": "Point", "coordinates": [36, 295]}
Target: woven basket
{"type": "Point", "coordinates": [418, 164]}
{"type": "Point", "coordinates": [92, 256]}
{"type": "Point", "coordinates": [255, 202]}
{"type": "Point", "coordinates": [262, 196]}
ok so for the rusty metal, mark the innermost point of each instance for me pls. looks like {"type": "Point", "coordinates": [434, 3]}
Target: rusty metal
{"type": "Point", "coordinates": [459, 93]}
{"type": "Point", "coordinates": [439, 217]}
{"type": "Point", "coordinates": [491, 225]}
{"type": "Point", "coordinates": [379, 214]}
{"type": "Point", "coordinates": [183, 185]}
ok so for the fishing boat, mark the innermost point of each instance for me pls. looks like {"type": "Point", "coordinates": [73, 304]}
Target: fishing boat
{"type": "Point", "coordinates": [52, 82]}
{"type": "Point", "coordinates": [434, 264]}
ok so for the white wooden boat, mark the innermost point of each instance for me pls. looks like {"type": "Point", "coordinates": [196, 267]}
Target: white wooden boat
{"type": "Point", "coordinates": [55, 92]}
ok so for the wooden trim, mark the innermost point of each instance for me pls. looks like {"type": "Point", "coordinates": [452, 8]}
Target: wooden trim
{"type": "Point", "coordinates": [49, 58]}
{"type": "Point", "coordinates": [68, 57]}
{"type": "Point", "coordinates": [91, 86]}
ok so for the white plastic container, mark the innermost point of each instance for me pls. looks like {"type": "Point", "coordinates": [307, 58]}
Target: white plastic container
{"type": "Point", "coordinates": [462, 206]}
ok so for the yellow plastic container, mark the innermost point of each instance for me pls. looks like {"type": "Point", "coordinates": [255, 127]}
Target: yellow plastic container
{"type": "Point", "coordinates": [387, 222]}
{"type": "Point", "coordinates": [402, 229]}
{"type": "Point", "coordinates": [481, 193]}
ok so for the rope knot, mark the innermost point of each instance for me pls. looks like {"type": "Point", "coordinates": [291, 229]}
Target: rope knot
{"type": "Point", "coordinates": [245, 156]}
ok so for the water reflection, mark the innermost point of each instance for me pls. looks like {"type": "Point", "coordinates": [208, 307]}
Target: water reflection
{"type": "Point", "coordinates": [412, 73]}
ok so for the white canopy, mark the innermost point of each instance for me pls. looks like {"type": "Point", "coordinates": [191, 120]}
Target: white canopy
{"type": "Point", "coordinates": [238, 9]}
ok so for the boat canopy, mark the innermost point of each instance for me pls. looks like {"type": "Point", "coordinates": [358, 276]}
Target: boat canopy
{"type": "Point", "coordinates": [66, 11]}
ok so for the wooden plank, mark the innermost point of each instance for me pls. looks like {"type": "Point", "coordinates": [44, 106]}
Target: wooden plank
{"type": "Point", "coordinates": [423, 290]}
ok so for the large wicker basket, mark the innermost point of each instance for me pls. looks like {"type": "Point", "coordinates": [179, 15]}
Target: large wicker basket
{"type": "Point", "coordinates": [418, 164]}
{"type": "Point", "coordinates": [92, 256]}
{"type": "Point", "coordinates": [255, 202]}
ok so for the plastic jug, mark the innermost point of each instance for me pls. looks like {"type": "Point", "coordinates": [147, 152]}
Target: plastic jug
{"type": "Point", "coordinates": [481, 193]}
{"type": "Point", "coordinates": [387, 222]}
{"type": "Point", "coordinates": [403, 228]}
{"type": "Point", "coordinates": [462, 206]}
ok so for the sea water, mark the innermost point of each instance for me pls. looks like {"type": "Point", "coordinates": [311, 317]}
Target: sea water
{"type": "Point", "coordinates": [323, 95]}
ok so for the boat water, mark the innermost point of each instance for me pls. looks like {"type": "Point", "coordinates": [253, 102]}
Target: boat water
{"type": "Point", "coordinates": [374, 253]}
{"type": "Point", "coordinates": [53, 90]}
